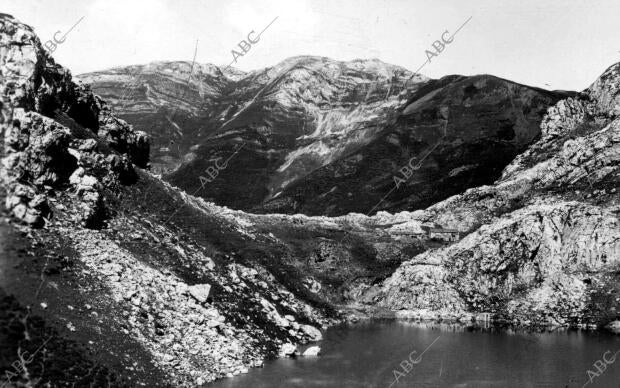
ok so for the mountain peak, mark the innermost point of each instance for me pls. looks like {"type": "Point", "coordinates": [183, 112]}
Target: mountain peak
{"type": "Point", "coordinates": [606, 91]}
{"type": "Point", "coordinates": [372, 67]}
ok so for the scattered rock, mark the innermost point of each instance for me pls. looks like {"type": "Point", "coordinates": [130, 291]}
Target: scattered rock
{"type": "Point", "coordinates": [312, 351]}
{"type": "Point", "coordinates": [200, 292]}
{"type": "Point", "coordinates": [288, 350]}
{"type": "Point", "coordinates": [312, 332]}
{"type": "Point", "coordinates": [614, 326]}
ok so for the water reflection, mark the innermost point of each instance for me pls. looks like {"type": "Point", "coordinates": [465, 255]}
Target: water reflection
{"type": "Point", "coordinates": [381, 353]}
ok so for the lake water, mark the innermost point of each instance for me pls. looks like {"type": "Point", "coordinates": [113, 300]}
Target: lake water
{"type": "Point", "coordinates": [393, 354]}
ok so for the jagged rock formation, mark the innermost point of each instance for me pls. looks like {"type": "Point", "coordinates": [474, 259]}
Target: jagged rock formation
{"type": "Point", "coordinates": [316, 131]}
{"type": "Point", "coordinates": [40, 155]}
{"type": "Point", "coordinates": [544, 245]}
{"type": "Point", "coordinates": [102, 288]}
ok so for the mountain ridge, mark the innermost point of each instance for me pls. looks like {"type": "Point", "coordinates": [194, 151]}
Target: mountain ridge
{"type": "Point", "coordinates": [302, 118]}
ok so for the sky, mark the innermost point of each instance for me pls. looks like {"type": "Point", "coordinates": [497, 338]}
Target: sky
{"type": "Point", "coordinates": [554, 44]}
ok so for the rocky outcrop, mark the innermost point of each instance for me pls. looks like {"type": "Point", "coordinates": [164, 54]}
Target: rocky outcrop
{"type": "Point", "coordinates": [539, 264]}
{"type": "Point", "coordinates": [543, 243]}
{"type": "Point", "coordinates": [606, 92]}
{"type": "Point", "coordinates": [565, 117]}
{"type": "Point", "coordinates": [99, 264]}
{"type": "Point", "coordinates": [57, 134]}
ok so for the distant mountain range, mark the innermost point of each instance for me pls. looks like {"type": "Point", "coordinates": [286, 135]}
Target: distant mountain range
{"type": "Point", "coordinates": [323, 137]}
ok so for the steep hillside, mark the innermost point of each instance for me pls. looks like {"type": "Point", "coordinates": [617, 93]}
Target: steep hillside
{"type": "Point", "coordinates": [110, 276]}
{"type": "Point", "coordinates": [96, 287]}
{"type": "Point", "coordinates": [544, 240]}
{"type": "Point", "coordinates": [177, 103]}
{"type": "Point", "coordinates": [452, 134]}
{"type": "Point", "coordinates": [310, 132]}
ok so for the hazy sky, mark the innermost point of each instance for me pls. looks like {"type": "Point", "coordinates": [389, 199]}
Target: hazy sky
{"type": "Point", "coordinates": [563, 43]}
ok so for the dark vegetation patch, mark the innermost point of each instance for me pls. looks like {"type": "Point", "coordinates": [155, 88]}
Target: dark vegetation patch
{"type": "Point", "coordinates": [43, 270]}
{"type": "Point", "coordinates": [47, 359]}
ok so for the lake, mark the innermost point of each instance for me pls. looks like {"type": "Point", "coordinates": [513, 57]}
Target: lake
{"type": "Point", "coordinates": [397, 353]}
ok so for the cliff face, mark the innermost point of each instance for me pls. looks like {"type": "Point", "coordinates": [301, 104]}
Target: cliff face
{"type": "Point", "coordinates": [41, 155]}
{"type": "Point", "coordinates": [314, 131]}
{"type": "Point", "coordinates": [93, 276]}
{"type": "Point", "coordinates": [544, 240]}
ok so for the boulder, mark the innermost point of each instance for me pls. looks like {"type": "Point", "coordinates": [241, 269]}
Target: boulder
{"type": "Point", "coordinates": [312, 332]}
{"type": "Point", "coordinates": [288, 350]}
{"type": "Point", "coordinates": [200, 292]}
{"type": "Point", "coordinates": [87, 145]}
{"type": "Point", "coordinates": [312, 285]}
{"type": "Point", "coordinates": [614, 326]}
{"type": "Point", "coordinates": [312, 351]}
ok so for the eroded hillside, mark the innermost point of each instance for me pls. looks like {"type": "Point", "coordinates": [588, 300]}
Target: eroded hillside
{"type": "Point", "coordinates": [309, 133]}
{"type": "Point", "coordinates": [544, 240]}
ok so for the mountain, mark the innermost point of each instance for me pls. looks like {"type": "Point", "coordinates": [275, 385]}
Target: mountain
{"type": "Point", "coordinates": [96, 283]}
{"type": "Point", "coordinates": [110, 276]}
{"type": "Point", "coordinates": [543, 242]}
{"type": "Point", "coordinates": [173, 101]}
{"type": "Point", "coordinates": [310, 133]}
